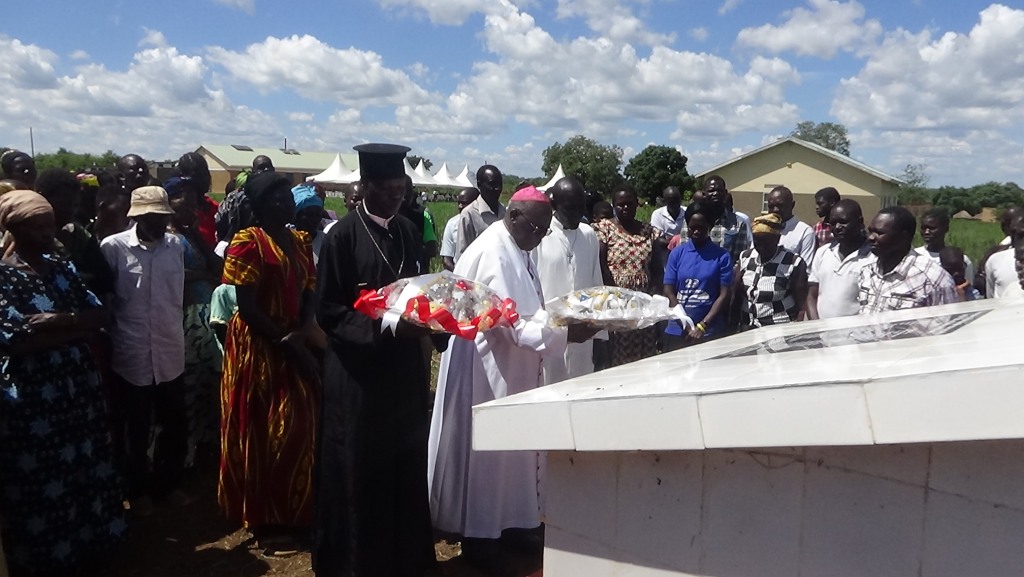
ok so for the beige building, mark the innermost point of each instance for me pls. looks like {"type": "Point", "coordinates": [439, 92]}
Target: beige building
{"type": "Point", "coordinates": [804, 168]}
{"type": "Point", "coordinates": [227, 160]}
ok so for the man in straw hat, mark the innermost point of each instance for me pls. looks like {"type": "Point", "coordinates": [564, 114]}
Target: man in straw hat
{"type": "Point", "coordinates": [149, 348]}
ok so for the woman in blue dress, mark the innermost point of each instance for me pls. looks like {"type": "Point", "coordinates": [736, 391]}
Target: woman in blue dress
{"type": "Point", "coordinates": [60, 502]}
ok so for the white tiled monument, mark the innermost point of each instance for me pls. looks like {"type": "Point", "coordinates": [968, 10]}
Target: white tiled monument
{"type": "Point", "coordinates": [891, 445]}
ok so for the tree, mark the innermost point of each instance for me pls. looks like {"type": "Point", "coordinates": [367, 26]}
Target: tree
{"type": "Point", "coordinates": [68, 160]}
{"type": "Point", "coordinates": [596, 165]}
{"type": "Point", "coordinates": [656, 167]}
{"type": "Point", "coordinates": [414, 161]}
{"type": "Point", "coordinates": [914, 189]}
{"type": "Point", "coordinates": [828, 134]}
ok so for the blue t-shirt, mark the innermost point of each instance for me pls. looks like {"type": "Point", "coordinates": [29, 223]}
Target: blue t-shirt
{"type": "Point", "coordinates": [698, 275]}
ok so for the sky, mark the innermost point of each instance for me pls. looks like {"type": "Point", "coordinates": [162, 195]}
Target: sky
{"type": "Point", "coordinates": [469, 82]}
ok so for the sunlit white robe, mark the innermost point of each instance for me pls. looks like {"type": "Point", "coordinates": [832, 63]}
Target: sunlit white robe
{"type": "Point", "coordinates": [569, 260]}
{"type": "Point", "coordinates": [479, 493]}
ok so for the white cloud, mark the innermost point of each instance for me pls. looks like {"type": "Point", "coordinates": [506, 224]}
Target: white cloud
{"type": "Point", "coordinates": [728, 6]}
{"type": "Point", "coordinates": [79, 55]}
{"type": "Point", "coordinates": [826, 28]}
{"type": "Point", "coordinates": [300, 117]}
{"type": "Point", "coordinates": [418, 69]}
{"type": "Point", "coordinates": [159, 106]}
{"type": "Point", "coordinates": [319, 71]}
{"type": "Point", "coordinates": [954, 102]}
{"type": "Point", "coordinates": [248, 6]}
{"type": "Point", "coordinates": [613, 19]}
{"type": "Point", "coordinates": [153, 38]}
{"type": "Point", "coordinates": [699, 34]}
{"type": "Point", "coordinates": [448, 12]}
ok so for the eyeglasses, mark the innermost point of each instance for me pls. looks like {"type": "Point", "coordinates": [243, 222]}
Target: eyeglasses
{"type": "Point", "coordinates": [537, 231]}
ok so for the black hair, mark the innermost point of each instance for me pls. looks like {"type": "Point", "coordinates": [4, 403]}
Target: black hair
{"type": "Point", "coordinates": [708, 210]}
{"type": "Point", "coordinates": [627, 188]}
{"type": "Point", "coordinates": [7, 158]}
{"type": "Point", "coordinates": [828, 193]}
{"type": "Point", "coordinates": [54, 181]}
{"type": "Point", "coordinates": [192, 165]}
{"type": "Point", "coordinates": [939, 214]}
{"type": "Point", "coordinates": [903, 220]}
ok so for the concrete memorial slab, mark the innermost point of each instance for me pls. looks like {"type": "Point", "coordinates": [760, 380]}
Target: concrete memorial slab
{"type": "Point", "coordinates": [884, 445]}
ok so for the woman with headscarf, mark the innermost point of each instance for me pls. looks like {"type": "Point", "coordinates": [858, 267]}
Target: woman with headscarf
{"type": "Point", "coordinates": [194, 167]}
{"type": "Point", "coordinates": [771, 281]}
{"type": "Point", "coordinates": [309, 216]}
{"type": "Point", "coordinates": [269, 388]}
{"type": "Point", "coordinates": [202, 355]}
{"type": "Point", "coordinates": [627, 250]}
{"type": "Point", "coordinates": [58, 489]}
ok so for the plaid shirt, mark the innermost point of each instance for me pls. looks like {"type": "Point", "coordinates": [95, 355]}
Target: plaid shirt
{"type": "Point", "coordinates": [729, 233]}
{"type": "Point", "coordinates": [918, 281]}
{"type": "Point", "coordinates": [769, 287]}
{"type": "Point", "coordinates": [823, 233]}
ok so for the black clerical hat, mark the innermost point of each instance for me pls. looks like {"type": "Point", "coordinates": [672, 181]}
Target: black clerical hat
{"type": "Point", "coordinates": [381, 161]}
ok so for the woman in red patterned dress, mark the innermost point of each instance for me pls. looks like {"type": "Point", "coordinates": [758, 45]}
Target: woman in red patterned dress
{"type": "Point", "coordinates": [269, 388]}
{"type": "Point", "coordinates": [627, 249]}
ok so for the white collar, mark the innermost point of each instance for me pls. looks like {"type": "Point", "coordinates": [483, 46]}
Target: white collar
{"type": "Point", "coordinates": [382, 222]}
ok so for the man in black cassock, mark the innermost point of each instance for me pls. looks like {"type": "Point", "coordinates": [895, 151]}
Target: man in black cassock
{"type": "Point", "coordinates": [372, 514]}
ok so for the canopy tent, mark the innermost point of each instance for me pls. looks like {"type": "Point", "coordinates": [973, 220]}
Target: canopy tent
{"type": "Point", "coordinates": [463, 178]}
{"type": "Point", "coordinates": [559, 174]}
{"type": "Point", "coordinates": [444, 178]}
{"type": "Point", "coordinates": [336, 173]}
{"type": "Point", "coordinates": [418, 178]}
{"type": "Point", "coordinates": [421, 172]}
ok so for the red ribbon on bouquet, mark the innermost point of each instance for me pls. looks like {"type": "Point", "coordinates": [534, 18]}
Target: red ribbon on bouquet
{"type": "Point", "coordinates": [372, 304]}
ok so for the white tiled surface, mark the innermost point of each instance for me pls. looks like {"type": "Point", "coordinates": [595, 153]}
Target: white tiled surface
{"type": "Point", "coordinates": [930, 510]}
{"type": "Point", "coordinates": [964, 385]}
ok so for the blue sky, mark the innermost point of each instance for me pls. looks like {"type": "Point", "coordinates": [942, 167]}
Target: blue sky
{"type": "Point", "coordinates": [474, 81]}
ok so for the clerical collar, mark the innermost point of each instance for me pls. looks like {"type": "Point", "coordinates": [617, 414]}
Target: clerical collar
{"type": "Point", "coordinates": [381, 222]}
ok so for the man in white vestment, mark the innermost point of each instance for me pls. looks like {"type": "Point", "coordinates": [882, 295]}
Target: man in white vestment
{"type": "Point", "coordinates": [478, 494]}
{"type": "Point", "coordinates": [568, 259]}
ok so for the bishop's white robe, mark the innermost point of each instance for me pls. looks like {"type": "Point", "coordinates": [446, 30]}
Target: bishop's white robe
{"type": "Point", "coordinates": [479, 493]}
{"type": "Point", "coordinates": [569, 260]}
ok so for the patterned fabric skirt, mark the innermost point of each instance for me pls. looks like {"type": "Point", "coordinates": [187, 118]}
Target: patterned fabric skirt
{"type": "Point", "coordinates": [268, 428]}
{"type": "Point", "coordinates": [629, 346]}
{"type": "Point", "coordinates": [202, 380]}
{"type": "Point", "coordinates": [60, 496]}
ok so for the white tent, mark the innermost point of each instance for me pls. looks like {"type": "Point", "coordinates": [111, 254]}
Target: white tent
{"type": "Point", "coordinates": [444, 178]}
{"type": "Point", "coordinates": [418, 179]}
{"type": "Point", "coordinates": [559, 174]}
{"type": "Point", "coordinates": [463, 178]}
{"type": "Point", "coordinates": [336, 173]}
{"type": "Point", "coordinates": [421, 172]}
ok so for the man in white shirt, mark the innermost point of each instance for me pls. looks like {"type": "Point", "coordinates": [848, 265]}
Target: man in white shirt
{"type": "Point", "coordinates": [669, 218]}
{"type": "Point", "coordinates": [149, 348]}
{"type": "Point", "coordinates": [568, 259]}
{"type": "Point", "coordinates": [934, 227]}
{"type": "Point", "coordinates": [797, 236]}
{"type": "Point", "coordinates": [450, 236]}
{"type": "Point", "coordinates": [1001, 276]}
{"type": "Point", "coordinates": [834, 278]}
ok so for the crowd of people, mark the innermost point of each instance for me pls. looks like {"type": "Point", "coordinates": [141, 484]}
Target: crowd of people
{"type": "Point", "coordinates": [146, 328]}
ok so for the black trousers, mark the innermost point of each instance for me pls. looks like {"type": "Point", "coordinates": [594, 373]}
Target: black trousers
{"type": "Point", "coordinates": [138, 409]}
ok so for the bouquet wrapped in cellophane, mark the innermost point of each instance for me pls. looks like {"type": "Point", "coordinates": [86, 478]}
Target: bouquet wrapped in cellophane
{"type": "Point", "coordinates": [442, 301]}
{"type": "Point", "coordinates": [613, 309]}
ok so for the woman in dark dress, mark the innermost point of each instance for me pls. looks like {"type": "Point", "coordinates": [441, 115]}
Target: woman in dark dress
{"type": "Point", "coordinates": [59, 494]}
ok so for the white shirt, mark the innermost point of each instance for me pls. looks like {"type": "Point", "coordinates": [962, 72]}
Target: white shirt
{"type": "Point", "coordinates": [148, 337]}
{"type": "Point", "coordinates": [838, 279]}
{"type": "Point", "coordinates": [968, 265]}
{"type": "Point", "coordinates": [663, 221]}
{"type": "Point", "coordinates": [568, 260]}
{"type": "Point", "coordinates": [450, 237]}
{"type": "Point", "coordinates": [798, 237]}
{"type": "Point", "coordinates": [742, 217]}
{"type": "Point", "coordinates": [1001, 280]}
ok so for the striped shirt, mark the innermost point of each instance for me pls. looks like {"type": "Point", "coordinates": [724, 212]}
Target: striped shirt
{"type": "Point", "coordinates": [917, 281]}
{"type": "Point", "coordinates": [769, 287]}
